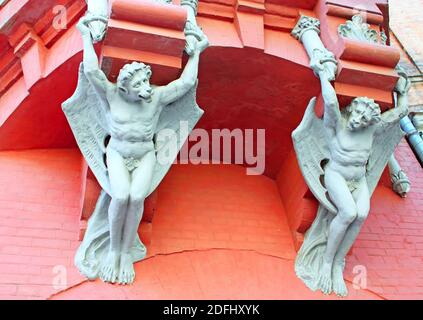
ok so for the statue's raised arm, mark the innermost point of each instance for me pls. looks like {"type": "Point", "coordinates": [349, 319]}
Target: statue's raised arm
{"type": "Point", "coordinates": [91, 66]}
{"type": "Point", "coordinates": [178, 88]}
{"type": "Point", "coordinates": [332, 115]}
{"type": "Point", "coordinates": [401, 90]}
{"type": "Point", "coordinates": [324, 66]}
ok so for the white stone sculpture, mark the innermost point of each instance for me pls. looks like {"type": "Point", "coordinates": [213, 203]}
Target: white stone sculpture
{"type": "Point", "coordinates": [98, 11]}
{"type": "Point", "coordinates": [117, 127]}
{"type": "Point", "coordinates": [342, 158]}
{"type": "Point", "coordinates": [358, 29]}
{"type": "Point", "coordinates": [400, 182]}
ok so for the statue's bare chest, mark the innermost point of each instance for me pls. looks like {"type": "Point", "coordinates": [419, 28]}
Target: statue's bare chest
{"type": "Point", "coordinates": [349, 141]}
{"type": "Point", "coordinates": [122, 112]}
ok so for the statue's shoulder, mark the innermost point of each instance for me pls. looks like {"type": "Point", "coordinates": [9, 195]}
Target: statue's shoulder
{"type": "Point", "coordinates": [158, 90]}
{"type": "Point", "coordinates": [112, 92]}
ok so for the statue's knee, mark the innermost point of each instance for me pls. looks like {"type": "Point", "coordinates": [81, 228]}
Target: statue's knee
{"type": "Point", "coordinates": [347, 215]}
{"type": "Point", "coordinates": [137, 206]}
{"type": "Point", "coordinates": [138, 196]}
{"type": "Point", "coordinates": [362, 215]}
{"type": "Point", "coordinates": [121, 199]}
{"type": "Point", "coordinates": [137, 199]}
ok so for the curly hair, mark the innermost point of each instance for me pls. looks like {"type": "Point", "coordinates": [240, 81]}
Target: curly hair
{"type": "Point", "coordinates": [373, 108]}
{"type": "Point", "coordinates": [129, 70]}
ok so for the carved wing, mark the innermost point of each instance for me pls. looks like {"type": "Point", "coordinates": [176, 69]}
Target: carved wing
{"type": "Point", "coordinates": [178, 118]}
{"type": "Point", "coordinates": [89, 126]}
{"type": "Point", "coordinates": [312, 150]}
{"type": "Point", "coordinates": [383, 147]}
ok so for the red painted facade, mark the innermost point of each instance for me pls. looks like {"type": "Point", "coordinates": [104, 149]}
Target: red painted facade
{"type": "Point", "coordinates": [211, 231]}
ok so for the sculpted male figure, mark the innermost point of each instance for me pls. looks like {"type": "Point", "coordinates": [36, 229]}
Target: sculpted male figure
{"type": "Point", "coordinates": [349, 145]}
{"type": "Point", "coordinates": [132, 109]}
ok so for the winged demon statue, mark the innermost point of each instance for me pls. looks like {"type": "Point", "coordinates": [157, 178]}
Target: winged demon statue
{"type": "Point", "coordinates": [130, 133]}
{"type": "Point", "coordinates": [342, 157]}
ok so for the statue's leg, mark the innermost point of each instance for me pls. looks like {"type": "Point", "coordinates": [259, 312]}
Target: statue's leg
{"type": "Point", "coordinates": [362, 198]}
{"type": "Point", "coordinates": [347, 213]}
{"type": "Point", "coordinates": [120, 186]}
{"type": "Point", "coordinates": [140, 186]}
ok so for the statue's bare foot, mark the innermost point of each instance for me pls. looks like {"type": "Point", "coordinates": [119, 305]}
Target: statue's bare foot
{"type": "Point", "coordinates": [339, 286]}
{"type": "Point", "coordinates": [325, 279]}
{"type": "Point", "coordinates": [127, 272]}
{"type": "Point", "coordinates": [110, 268]}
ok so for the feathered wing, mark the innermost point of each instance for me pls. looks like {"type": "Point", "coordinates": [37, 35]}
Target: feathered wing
{"type": "Point", "coordinates": [384, 145]}
{"type": "Point", "coordinates": [178, 118]}
{"type": "Point", "coordinates": [311, 147]}
{"type": "Point", "coordinates": [89, 125]}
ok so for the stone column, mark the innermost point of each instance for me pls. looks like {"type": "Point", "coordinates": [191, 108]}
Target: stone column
{"type": "Point", "coordinates": [307, 31]}
{"type": "Point", "coordinates": [192, 9]}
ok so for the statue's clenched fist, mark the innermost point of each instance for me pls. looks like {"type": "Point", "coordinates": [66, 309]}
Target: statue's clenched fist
{"type": "Point", "coordinates": [404, 83]}
{"type": "Point", "coordinates": [196, 40]}
{"type": "Point", "coordinates": [324, 64]}
{"type": "Point", "coordinates": [83, 24]}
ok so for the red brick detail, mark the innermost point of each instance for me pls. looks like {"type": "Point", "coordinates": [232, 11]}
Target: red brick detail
{"type": "Point", "coordinates": [299, 204]}
{"type": "Point", "coordinates": [39, 220]}
{"type": "Point", "coordinates": [390, 245]}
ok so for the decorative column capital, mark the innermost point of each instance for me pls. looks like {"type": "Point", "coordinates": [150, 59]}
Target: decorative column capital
{"type": "Point", "coordinates": [358, 29]}
{"type": "Point", "coordinates": [304, 24]}
{"type": "Point", "coordinates": [191, 3]}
